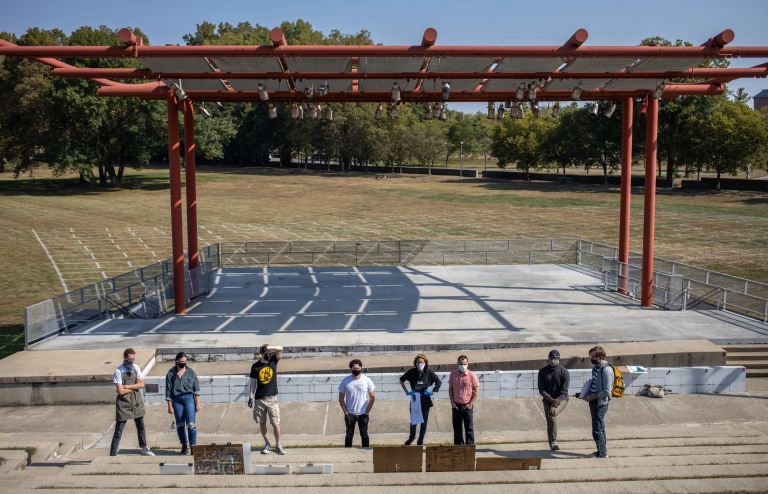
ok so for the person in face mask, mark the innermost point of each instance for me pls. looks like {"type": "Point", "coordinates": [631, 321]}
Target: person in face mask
{"type": "Point", "coordinates": [463, 390]}
{"type": "Point", "coordinates": [356, 397]}
{"type": "Point", "coordinates": [129, 405]}
{"type": "Point", "coordinates": [182, 392]}
{"type": "Point", "coordinates": [599, 396]}
{"type": "Point", "coordinates": [553, 387]}
{"type": "Point", "coordinates": [421, 378]}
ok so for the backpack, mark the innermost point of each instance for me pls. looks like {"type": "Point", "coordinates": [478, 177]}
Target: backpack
{"type": "Point", "coordinates": [617, 391]}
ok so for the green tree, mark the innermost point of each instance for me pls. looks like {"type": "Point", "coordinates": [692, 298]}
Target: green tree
{"type": "Point", "coordinates": [522, 141]}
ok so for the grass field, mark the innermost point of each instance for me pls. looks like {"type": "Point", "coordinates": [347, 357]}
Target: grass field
{"type": "Point", "coordinates": [91, 235]}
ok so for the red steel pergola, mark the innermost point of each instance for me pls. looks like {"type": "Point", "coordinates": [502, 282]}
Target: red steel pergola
{"type": "Point", "coordinates": [182, 75]}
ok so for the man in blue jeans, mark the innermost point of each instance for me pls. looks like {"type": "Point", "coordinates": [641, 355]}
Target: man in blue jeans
{"type": "Point", "coordinates": [598, 397]}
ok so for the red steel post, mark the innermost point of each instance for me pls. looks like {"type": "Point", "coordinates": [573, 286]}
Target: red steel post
{"type": "Point", "coordinates": [177, 236]}
{"type": "Point", "coordinates": [189, 168]}
{"type": "Point", "coordinates": [649, 210]}
{"type": "Point", "coordinates": [626, 192]}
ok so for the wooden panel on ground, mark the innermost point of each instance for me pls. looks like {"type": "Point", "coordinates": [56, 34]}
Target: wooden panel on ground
{"type": "Point", "coordinates": [451, 458]}
{"type": "Point", "coordinates": [502, 463]}
{"type": "Point", "coordinates": [222, 459]}
{"type": "Point", "coordinates": [397, 459]}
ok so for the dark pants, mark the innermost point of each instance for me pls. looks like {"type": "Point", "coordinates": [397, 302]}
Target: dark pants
{"type": "Point", "coordinates": [119, 426]}
{"type": "Point", "coordinates": [552, 421]}
{"type": "Point", "coordinates": [362, 423]}
{"type": "Point", "coordinates": [598, 427]}
{"type": "Point", "coordinates": [463, 416]}
{"type": "Point", "coordinates": [422, 429]}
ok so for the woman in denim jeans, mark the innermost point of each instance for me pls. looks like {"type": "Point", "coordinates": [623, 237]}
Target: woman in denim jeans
{"type": "Point", "coordinates": [182, 392]}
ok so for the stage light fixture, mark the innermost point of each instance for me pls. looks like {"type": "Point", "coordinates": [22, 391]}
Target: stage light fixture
{"type": "Point", "coordinates": [263, 96]}
{"type": "Point", "coordinates": [446, 90]}
{"type": "Point", "coordinates": [395, 92]}
{"type": "Point", "coordinates": [576, 93]}
{"type": "Point", "coordinates": [556, 110]}
{"type": "Point", "coordinates": [609, 112]}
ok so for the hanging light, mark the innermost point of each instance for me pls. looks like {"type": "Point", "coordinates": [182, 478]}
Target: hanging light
{"type": "Point", "coordinates": [329, 112]}
{"type": "Point", "coordinates": [219, 105]}
{"type": "Point", "coordinates": [500, 114]}
{"type": "Point", "coordinates": [305, 105]}
{"type": "Point", "coordinates": [395, 92]}
{"type": "Point", "coordinates": [436, 110]}
{"type": "Point", "coordinates": [379, 109]}
{"type": "Point", "coordinates": [263, 92]}
{"type": "Point", "coordinates": [491, 110]}
{"type": "Point", "coordinates": [446, 90]}
{"type": "Point", "coordinates": [180, 94]}
{"type": "Point", "coordinates": [520, 93]}
{"type": "Point", "coordinates": [392, 110]}
{"type": "Point", "coordinates": [309, 92]}
{"type": "Point", "coordinates": [312, 111]}
{"type": "Point", "coordinates": [301, 113]}
{"type": "Point", "coordinates": [427, 111]}
{"type": "Point", "coordinates": [532, 90]}
{"type": "Point", "coordinates": [272, 110]}
{"type": "Point", "coordinates": [294, 111]}
{"type": "Point", "coordinates": [576, 93]}
{"type": "Point", "coordinates": [656, 94]}
{"type": "Point", "coordinates": [556, 110]}
{"type": "Point", "coordinates": [520, 111]}
{"type": "Point", "coordinates": [535, 110]}
{"type": "Point", "coordinates": [442, 112]}
{"type": "Point", "coordinates": [319, 112]}
{"type": "Point", "coordinates": [593, 110]}
{"type": "Point", "coordinates": [609, 112]}
{"type": "Point", "coordinates": [205, 113]}
{"type": "Point", "coordinates": [509, 105]}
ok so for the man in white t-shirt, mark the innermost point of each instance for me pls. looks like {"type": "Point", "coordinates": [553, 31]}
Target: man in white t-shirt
{"type": "Point", "coordinates": [356, 397]}
{"type": "Point", "coordinates": [129, 405]}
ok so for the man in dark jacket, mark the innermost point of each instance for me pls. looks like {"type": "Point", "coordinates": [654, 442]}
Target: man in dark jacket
{"type": "Point", "coordinates": [553, 387]}
{"type": "Point", "coordinates": [421, 378]}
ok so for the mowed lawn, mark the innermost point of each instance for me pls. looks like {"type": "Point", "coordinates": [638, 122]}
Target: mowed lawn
{"type": "Point", "coordinates": [92, 234]}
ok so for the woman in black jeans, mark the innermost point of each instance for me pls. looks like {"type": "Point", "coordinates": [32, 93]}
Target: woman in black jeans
{"type": "Point", "coordinates": [421, 378]}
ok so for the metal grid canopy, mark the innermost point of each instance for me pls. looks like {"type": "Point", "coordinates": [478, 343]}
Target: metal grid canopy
{"type": "Point", "coordinates": [390, 64]}
{"type": "Point", "coordinates": [665, 64]}
{"type": "Point", "coordinates": [253, 84]}
{"type": "Point", "coordinates": [570, 84]}
{"type": "Point", "coordinates": [248, 64]}
{"type": "Point", "coordinates": [180, 64]}
{"type": "Point", "coordinates": [506, 84]}
{"type": "Point", "coordinates": [459, 64]}
{"type": "Point", "coordinates": [198, 84]}
{"type": "Point", "coordinates": [509, 64]}
{"type": "Point", "coordinates": [598, 64]}
{"type": "Point", "coordinates": [319, 64]}
{"type": "Point", "coordinates": [385, 84]}
{"type": "Point", "coordinates": [632, 84]}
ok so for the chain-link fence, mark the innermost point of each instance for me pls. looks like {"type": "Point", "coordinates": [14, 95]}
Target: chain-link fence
{"type": "Point", "coordinates": [701, 286]}
{"type": "Point", "coordinates": [399, 252]}
{"type": "Point", "coordinates": [143, 292]}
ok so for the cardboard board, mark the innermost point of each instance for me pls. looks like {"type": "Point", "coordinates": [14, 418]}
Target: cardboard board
{"type": "Point", "coordinates": [397, 459]}
{"type": "Point", "coordinates": [222, 459]}
{"type": "Point", "coordinates": [451, 458]}
{"type": "Point", "coordinates": [501, 463]}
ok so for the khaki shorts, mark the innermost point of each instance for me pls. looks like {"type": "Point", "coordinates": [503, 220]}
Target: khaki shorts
{"type": "Point", "coordinates": [267, 406]}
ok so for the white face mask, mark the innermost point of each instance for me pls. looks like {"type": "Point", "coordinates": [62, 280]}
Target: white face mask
{"type": "Point", "coordinates": [462, 367]}
{"type": "Point", "coordinates": [420, 366]}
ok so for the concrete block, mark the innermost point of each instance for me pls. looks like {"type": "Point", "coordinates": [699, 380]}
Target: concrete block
{"type": "Point", "coordinates": [705, 375]}
{"type": "Point", "coordinates": [704, 388]}
{"type": "Point", "coordinates": [491, 385]}
{"type": "Point", "coordinates": [491, 393]}
{"type": "Point", "coordinates": [206, 390]}
{"type": "Point", "coordinates": [206, 398]}
{"type": "Point", "coordinates": [507, 393]}
{"type": "Point", "coordinates": [322, 388]}
{"type": "Point", "coordinates": [218, 390]}
{"type": "Point", "coordinates": [688, 389]}
{"type": "Point", "coordinates": [739, 384]}
{"type": "Point", "coordinates": [314, 397]}
{"type": "Point", "coordinates": [392, 387]}
{"type": "Point", "coordinates": [220, 398]}
{"type": "Point", "coordinates": [511, 384]}
{"type": "Point", "coordinates": [288, 388]}
{"type": "Point", "coordinates": [303, 388]}
{"type": "Point", "coordinates": [525, 393]}
{"type": "Point", "coordinates": [289, 397]}
{"type": "Point", "coordinates": [304, 379]}
{"type": "Point", "coordinates": [491, 376]}
{"type": "Point", "coordinates": [657, 373]}
{"type": "Point", "coordinates": [240, 381]}
{"type": "Point", "coordinates": [154, 399]}
{"type": "Point", "coordinates": [673, 378]}
{"type": "Point", "coordinates": [218, 381]}
{"type": "Point", "coordinates": [238, 398]}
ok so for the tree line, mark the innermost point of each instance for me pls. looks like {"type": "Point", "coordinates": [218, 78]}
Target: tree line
{"type": "Point", "coordinates": [63, 125]}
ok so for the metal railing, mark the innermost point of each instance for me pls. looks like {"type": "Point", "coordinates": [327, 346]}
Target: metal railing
{"type": "Point", "coordinates": [399, 252]}
{"type": "Point", "coordinates": [720, 290]}
{"type": "Point", "coordinates": [144, 292]}
{"type": "Point", "coordinates": [668, 290]}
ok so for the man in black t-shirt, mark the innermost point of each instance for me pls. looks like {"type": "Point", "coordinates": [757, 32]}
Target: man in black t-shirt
{"type": "Point", "coordinates": [264, 388]}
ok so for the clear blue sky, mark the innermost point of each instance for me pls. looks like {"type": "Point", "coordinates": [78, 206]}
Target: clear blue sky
{"type": "Point", "coordinates": [464, 22]}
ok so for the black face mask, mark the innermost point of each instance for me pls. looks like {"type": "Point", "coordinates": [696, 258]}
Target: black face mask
{"type": "Point", "coordinates": [356, 372]}
{"type": "Point", "coordinates": [181, 365]}
{"type": "Point", "coordinates": [594, 361]}
{"type": "Point", "coordinates": [128, 365]}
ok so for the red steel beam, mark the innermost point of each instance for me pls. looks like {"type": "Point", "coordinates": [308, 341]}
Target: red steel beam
{"type": "Point", "coordinates": [626, 191]}
{"type": "Point", "coordinates": [189, 170]}
{"type": "Point", "coordinates": [649, 207]}
{"type": "Point", "coordinates": [384, 51]}
{"type": "Point", "coordinates": [177, 235]}
{"type": "Point", "coordinates": [578, 39]}
{"type": "Point", "coordinates": [148, 74]}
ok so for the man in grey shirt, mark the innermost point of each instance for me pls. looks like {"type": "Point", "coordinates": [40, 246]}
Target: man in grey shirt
{"type": "Point", "coordinates": [599, 396]}
{"type": "Point", "coordinates": [553, 387]}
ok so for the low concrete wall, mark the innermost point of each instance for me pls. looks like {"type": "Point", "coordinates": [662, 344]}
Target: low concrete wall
{"type": "Point", "coordinates": [637, 180]}
{"type": "Point", "coordinates": [56, 393]}
{"type": "Point", "coordinates": [709, 183]}
{"type": "Point", "coordinates": [498, 384]}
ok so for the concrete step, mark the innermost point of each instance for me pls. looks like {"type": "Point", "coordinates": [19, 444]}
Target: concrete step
{"type": "Point", "coordinates": [750, 356]}
{"type": "Point", "coordinates": [12, 460]}
{"type": "Point", "coordinates": [745, 348]}
{"type": "Point", "coordinates": [757, 373]}
{"type": "Point", "coordinates": [752, 364]}
{"type": "Point", "coordinates": [38, 451]}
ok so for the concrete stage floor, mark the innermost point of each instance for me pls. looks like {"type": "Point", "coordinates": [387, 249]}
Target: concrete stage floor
{"type": "Point", "coordinates": [410, 305]}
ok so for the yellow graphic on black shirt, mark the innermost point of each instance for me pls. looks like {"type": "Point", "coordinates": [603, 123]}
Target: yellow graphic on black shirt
{"type": "Point", "coordinates": [265, 375]}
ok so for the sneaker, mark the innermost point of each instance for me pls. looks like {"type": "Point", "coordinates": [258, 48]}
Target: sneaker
{"type": "Point", "coordinates": [597, 455]}
{"type": "Point", "coordinates": [407, 443]}
{"type": "Point", "coordinates": [184, 450]}
{"type": "Point", "coordinates": [266, 449]}
{"type": "Point", "coordinates": [145, 451]}
{"type": "Point", "coordinates": [280, 449]}
{"type": "Point", "coordinates": [554, 447]}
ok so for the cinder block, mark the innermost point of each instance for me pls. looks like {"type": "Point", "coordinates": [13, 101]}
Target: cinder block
{"type": "Point", "coordinates": [314, 397]}
{"type": "Point", "coordinates": [525, 393]}
{"type": "Point", "coordinates": [512, 384]}
{"type": "Point", "coordinates": [491, 386]}
{"type": "Point", "coordinates": [154, 399]}
{"type": "Point", "coordinates": [219, 381]}
{"type": "Point", "coordinates": [288, 388]}
{"type": "Point", "coordinates": [240, 381]}
{"type": "Point", "coordinates": [238, 398]}
{"type": "Point", "coordinates": [704, 388]}
{"type": "Point", "coordinates": [507, 393]}
{"type": "Point", "coordinates": [491, 393]}
{"type": "Point", "coordinates": [305, 379]}
{"type": "Point", "coordinates": [289, 397]}
{"type": "Point", "coordinates": [657, 373]}
{"type": "Point", "coordinates": [491, 376]}
{"type": "Point", "coordinates": [391, 387]}
{"type": "Point", "coordinates": [206, 390]}
{"type": "Point", "coordinates": [218, 390]}
{"type": "Point", "coordinates": [322, 388]}
{"type": "Point", "coordinates": [739, 384]}
{"type": "Point", "coordinates": [687, 389]}
{"type": "Point", "coordinates": [220, 398]}
{"type": "Point", "coordinates": [673, 378]}
{"type": "Point", "coordinates": [206, 398]}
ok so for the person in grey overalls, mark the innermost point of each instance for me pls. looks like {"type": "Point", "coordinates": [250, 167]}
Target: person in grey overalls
{"type": "Point", "coordinates": [129, 404]}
